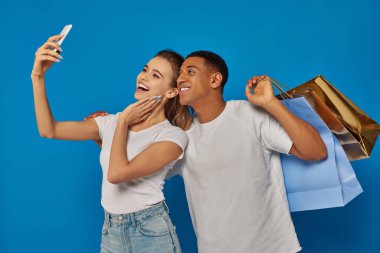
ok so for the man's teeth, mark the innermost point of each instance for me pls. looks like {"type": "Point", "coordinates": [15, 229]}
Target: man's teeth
{"type": "Point", "coordinates": [184, 89]}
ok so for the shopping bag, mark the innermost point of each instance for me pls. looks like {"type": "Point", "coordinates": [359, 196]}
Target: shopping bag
{"type": "Point", "coordinates": [354, 129]}
{"type": "Point", "coordinates": [314, 185]}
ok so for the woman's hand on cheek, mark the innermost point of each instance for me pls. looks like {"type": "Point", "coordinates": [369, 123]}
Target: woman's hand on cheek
{"type": "Point", "coordinates": [138, 111]}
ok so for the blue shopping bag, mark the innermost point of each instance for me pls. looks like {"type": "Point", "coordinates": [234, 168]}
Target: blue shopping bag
{"type": "Point", "coordinates": [314, 185]}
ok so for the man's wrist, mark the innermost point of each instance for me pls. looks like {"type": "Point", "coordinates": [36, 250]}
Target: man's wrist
{"type": "Point", "coordinates": [272, 105]}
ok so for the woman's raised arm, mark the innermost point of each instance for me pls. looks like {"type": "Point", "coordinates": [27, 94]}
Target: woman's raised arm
{"type": "Point", "coordinates": [49, 128]}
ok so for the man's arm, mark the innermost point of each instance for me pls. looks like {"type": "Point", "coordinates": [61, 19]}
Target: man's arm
{"type": "Point", "coordinates": [307, 143]}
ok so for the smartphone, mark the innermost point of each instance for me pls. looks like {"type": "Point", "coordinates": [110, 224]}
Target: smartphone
{"type": "Point", "coordinates": [64, 32]}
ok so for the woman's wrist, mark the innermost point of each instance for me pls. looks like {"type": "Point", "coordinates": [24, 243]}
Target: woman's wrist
{"type": "Point", "coordinates": [37, 74]}
{"type": "Point", "coordinates": [123, 121]}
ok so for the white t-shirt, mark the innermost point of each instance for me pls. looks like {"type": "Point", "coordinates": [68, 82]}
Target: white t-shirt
{"type": "Point", "coordinates": [143, 192]}
{"type": "Point", "coordinates": [234, 183]}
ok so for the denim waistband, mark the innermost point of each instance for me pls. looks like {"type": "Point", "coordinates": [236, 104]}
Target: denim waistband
{"type": "Point", "coordinates": [137, 216]}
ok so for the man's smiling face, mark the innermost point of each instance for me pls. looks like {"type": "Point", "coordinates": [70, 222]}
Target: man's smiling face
{"type": "Point", "coordinates": [194, 81]}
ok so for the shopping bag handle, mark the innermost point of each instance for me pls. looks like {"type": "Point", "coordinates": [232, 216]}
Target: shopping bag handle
{"type": "Point", "coordinates": [279, 86]}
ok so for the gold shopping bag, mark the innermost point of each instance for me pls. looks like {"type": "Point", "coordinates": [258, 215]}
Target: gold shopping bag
{"type": "Point", "coordinates": [354, 129]}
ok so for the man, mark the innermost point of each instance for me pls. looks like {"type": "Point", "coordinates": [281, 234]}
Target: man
{"type": "Point", "coordinates": [231, 169]}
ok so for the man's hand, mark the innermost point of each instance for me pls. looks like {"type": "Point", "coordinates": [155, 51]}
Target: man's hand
{"type": "Point", "coordinates": [262, 91]}
{"type": "Point", "coordinates": [307, 143]}
{"type": "Point", "coordinates": [94, 115]}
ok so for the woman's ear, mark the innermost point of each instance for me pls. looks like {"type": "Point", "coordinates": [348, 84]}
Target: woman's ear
{"type": "Point", "coordinates": [216, 80]}
{"type": "Point", "coordinates": [171, 93]}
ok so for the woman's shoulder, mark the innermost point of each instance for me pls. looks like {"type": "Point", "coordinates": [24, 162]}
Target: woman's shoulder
{"type": "Point", "coordinates": [110, 116]}
{"type": "Point", "coordinates": [168, 131]}
{"type": "Point", "coordinates": [107, 120]}
{"type": "Point", "coordinates": [169, 128]}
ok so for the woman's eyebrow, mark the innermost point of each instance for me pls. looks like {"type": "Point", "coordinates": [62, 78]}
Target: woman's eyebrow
{"type": "Point", "coordinates": [155, 70]}
{"type": "Point", "coordinates": [158, 72]}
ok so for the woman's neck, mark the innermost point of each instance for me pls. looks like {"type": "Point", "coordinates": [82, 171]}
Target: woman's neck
{"type": "Point", "coordinates": [157, 116]}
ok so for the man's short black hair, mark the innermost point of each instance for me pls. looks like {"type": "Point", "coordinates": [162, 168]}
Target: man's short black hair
{"type": "Point", "coordinates": [214, 61]}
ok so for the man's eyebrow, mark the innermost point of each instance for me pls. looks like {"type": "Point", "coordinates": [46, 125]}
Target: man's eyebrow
{"type": "Point", "coordinates": [188, 67]}
{"type": "Point", "coordinates": [192, 66]}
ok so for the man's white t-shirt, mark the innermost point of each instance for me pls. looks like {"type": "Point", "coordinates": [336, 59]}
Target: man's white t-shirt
{"type": "Point", "coordinates": [141, 193]}
{"type": "Point", "coordinates": [234, 183]}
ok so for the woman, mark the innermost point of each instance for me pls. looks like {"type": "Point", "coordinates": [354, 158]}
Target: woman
{"type": "Point", "coordinates": [139, 146]}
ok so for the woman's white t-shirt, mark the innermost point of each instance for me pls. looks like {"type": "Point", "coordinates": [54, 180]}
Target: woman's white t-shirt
{"type": "Point", "coordinates": [143, 192]}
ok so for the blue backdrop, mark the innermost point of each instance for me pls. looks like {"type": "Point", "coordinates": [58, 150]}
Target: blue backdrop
{"type": "Point", "coordinates": [50, 189]}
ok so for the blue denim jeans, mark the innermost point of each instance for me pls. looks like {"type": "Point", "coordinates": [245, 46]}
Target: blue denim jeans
{"type": "Point", "coordinates": [145, 231]}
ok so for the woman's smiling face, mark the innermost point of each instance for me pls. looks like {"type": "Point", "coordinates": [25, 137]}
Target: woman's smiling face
{"type": "Point", "coordinates": [155, 78]}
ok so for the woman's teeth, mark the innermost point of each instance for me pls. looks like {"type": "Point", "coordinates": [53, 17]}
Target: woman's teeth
{"type": "Point", "coordinates": [143, 87]}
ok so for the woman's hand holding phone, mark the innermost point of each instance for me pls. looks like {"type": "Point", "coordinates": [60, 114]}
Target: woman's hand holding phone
{"type": "Point", "coordinates": [45, 56]}
{"type": "Point", "coordinates": [49, 53]}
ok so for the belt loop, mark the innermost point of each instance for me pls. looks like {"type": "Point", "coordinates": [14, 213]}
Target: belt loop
{"type": "Point", "coordinates": [166, 207]}
{"type": "Point", "coordinates": [107, 218]}
{"type": "Point", "coordinates": [133, 220]}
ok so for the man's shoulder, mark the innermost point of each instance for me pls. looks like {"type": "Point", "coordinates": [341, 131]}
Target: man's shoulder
{"type": "Point", "coordinates": [239, 103]}
{"type": "Point", "coordinates": [243, 108]}
{"type": "Point", "coordinates": [191, 128]}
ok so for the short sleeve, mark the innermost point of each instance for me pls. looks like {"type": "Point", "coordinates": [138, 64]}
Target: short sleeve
{"type": "Point", "coordinates": [104, 121]}
{"type": "Point", "coordinates": [273, 135]}
{"type": "Point", "coordinates": [264, 127]}
{"type": "Point", "coordinates": [176, 135]}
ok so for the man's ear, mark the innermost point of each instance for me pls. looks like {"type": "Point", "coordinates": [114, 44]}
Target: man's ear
{"type": "Point", "coordinates": [171, 93]}
{"type": "Point", "coordinates": [216, 80]}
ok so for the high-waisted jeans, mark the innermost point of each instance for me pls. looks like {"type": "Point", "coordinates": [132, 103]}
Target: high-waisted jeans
{"type": "Point", "coordinates": [145, 231]}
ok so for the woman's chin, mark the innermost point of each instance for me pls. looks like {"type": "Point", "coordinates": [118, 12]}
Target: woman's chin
{"type": "Point", "coordinates": [141, 95]}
